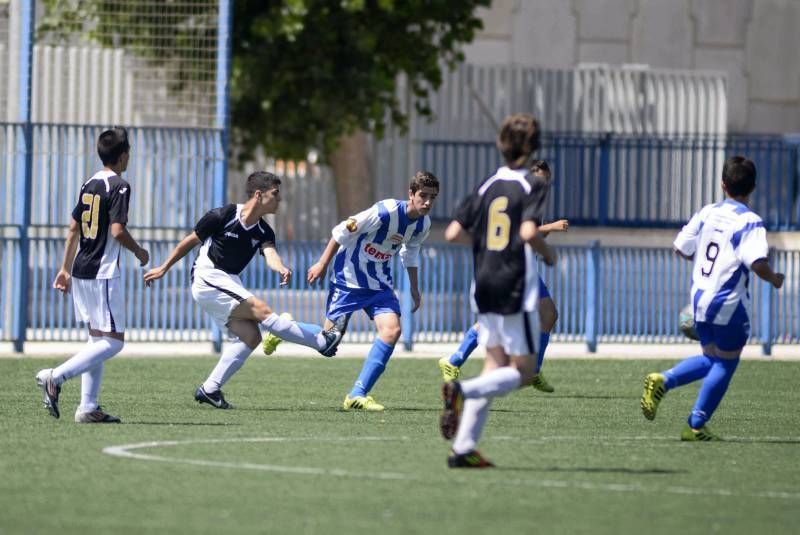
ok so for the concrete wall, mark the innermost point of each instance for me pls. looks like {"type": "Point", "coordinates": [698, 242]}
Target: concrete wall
{"type": "Point", "coordinates": [755, 42]}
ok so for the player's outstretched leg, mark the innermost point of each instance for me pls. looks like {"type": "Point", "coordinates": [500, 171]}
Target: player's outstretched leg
{"type": "Point", "coordinates": [270, 342]}
{"type": "Point", "coordinates": [451, 366]}
{"type": "Point", "coordinates": [451, 413]}
{"type": "Point", "coordinates": [708, 399]}
{"type": "Point", "coordinates": [51, 391]}
{"type": "Point", "coordinates": [373, 368]}
{"type": "Point", "coordinates": [653, 394]}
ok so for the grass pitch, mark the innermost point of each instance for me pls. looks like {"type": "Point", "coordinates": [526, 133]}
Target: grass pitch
{"type": "Point", "coordinates": [288, 460]}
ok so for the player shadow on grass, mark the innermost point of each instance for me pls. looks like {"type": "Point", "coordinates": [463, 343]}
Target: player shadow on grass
{"type": "Point", "coordinates": [598, 470]}
{"type": "Point", "coordinates": [226, 424]}
{"type": "Point", "coordinates": [745, 440]}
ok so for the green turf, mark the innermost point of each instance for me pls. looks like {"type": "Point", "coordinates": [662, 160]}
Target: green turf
{"type": "Point", "coordinates": [582, 460]}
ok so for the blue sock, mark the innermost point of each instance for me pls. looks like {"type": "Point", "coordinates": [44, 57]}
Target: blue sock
{"type": "Point", "coordinates": [373, 368]}
{"type": "Point", "coordinates": [713, 389]}
{"type": "Point", "coordinates": [687, 371]}
{"type": "Point", "coordinates": [468, 345]}
{"type": "Point", "coordinates": [544, 340]}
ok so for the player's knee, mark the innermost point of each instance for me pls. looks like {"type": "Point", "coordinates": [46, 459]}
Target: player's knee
{"type": "Point", "coordinates": [261, 310]}
{"type": "Point", "coordinates": [549, 320]}
{"type": "Point", "coordinates": [252, 340]}
{"type": "Point", "coordinates": [390, 334]}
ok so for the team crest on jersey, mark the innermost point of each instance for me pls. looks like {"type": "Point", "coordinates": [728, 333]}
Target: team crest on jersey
{"type": "Point", "coordinates": [254, 242]}
{"type": "Point", "coordinates": [351, 225]}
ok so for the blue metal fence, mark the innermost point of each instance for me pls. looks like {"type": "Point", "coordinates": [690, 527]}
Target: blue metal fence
{"type": "Point", "coordinates": [604, 294]}
{"type": "Point", "coordinates": [623, 180]}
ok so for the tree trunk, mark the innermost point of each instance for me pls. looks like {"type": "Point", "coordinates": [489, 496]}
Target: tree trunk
{"type": "Point", "coordinates": [350, 163]}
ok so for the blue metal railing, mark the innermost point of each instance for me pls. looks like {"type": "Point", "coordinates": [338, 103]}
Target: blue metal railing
{"type": "Point", "coordinates": [604, 294]}
{"type": "Point", "coordinates": [625, 180]}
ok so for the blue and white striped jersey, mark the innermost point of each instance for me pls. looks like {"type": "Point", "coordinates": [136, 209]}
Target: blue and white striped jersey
{"type": "Point", "coordinates": [371, 238]}
{"type": "Point", "coordinates": [725, 239]}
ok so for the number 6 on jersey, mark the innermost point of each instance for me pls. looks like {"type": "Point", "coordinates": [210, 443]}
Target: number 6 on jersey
{"type": "Point", "coordinates": [90, 218]}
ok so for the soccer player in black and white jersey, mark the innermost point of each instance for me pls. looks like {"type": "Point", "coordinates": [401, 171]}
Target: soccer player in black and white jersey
{"type": "Point", "coordinates": [500, 220]}
{"type": "Point", "coordinates": [98, 231]}
{"type": "Point", "coordinates": [230, 236]}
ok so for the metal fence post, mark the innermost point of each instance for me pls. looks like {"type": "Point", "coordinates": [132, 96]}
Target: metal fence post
{"type": "Point", "coordinates": [406, 316]}
{"type": "Point", "coordinates": [24, 173]}
{"type": "Point", "coordinates": [592, 294]}
{"type": "Point", "coordinates": [604, 173]}
{"type": "Point", "coordinates": [222, 117]}
{"type": "Point", "coordinates": [765, 314]}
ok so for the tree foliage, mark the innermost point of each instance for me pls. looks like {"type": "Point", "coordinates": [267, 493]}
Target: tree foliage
{"type": "Point", "coordinates": [304, 72]}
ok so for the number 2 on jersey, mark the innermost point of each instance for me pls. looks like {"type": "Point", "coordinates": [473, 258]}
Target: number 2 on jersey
{"type": "Point", "coordinates": [498, 232]}
{"type": "Point", "coordinates": [90, 217]}
{"type": "Point", "coordinates": [712, 251]}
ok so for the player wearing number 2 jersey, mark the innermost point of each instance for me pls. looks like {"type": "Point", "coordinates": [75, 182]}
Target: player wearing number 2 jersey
{"type": "Point", "coordinates": [725, 241]}
{"type": "Point", "coordinates": [98, 231]}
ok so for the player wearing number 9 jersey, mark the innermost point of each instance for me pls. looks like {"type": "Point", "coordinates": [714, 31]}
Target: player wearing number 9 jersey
{"type": "Point", "coordinates": [97, 231]}
{"type": "Point", "coordinates": [725, 241]}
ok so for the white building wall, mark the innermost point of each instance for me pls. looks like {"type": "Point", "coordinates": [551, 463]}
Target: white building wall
{"type": "Point", "coordinates": [755, 42]}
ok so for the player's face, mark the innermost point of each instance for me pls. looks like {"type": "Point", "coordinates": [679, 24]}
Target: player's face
{"type": "Point", "coordinates": [542, 173]}
{"type": "Point", "coordinates": [269, 200]}
{"type": "Point", "coordinates": [422, 200]}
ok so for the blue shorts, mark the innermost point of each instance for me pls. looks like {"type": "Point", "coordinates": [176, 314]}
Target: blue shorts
{"type": "Point", "coordinates": [344, 300]}
{"type": "Point", "coordinates": [730, 337]}
{"type": "Point", "coordinates": [543, 290]}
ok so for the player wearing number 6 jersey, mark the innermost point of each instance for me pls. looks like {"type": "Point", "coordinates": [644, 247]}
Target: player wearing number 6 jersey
{"type": "Point", "coordinates": [500, 220]}
{"type": "Point", "coordinates": [725, 241]}
{"type": "Point", "coordinates": [98, 231]}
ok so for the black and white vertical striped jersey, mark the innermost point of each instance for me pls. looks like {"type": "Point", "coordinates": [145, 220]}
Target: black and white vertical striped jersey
{"type": "Point", "coordinates": [506, 277]}
{"type": "Point", "coordinates": [228, 244]}
{"type": "Point", "coordinates": [103, 200]}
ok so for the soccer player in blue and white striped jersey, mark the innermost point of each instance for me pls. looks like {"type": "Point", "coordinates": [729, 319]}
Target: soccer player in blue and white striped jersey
{"type": "Point", "coordinates": [361, 249]}
{"type": "Point", "coordinates": [725, 241]}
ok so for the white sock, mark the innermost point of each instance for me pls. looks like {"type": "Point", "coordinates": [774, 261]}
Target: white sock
{"type": "Point", "coordinates": [473, 418]}
{"type": "Point", "coordinates": [90, 388]}
{"type": "Point", "coordinates": [99, 349]}
{"type": "Point", "coordinates": [497, 382]}
{"type": "Point", "coordinates": [232, 358]}
{"type": "Point", "coordinates": [288, 330]}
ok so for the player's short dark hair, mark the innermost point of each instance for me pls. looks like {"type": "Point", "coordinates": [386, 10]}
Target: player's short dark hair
{"type": "Point", "coordinates": [423, 179]}
{"type": "Point", "coordinates": [739, 176]}
{"type": "Point", "coordinates": [518, 138]}
{"type": "Point", "coordinates": [541, 166]}
{"type": "Point", "coordinates": [261, 181]}
{"type": "Point", "coordinates": [112, 144]}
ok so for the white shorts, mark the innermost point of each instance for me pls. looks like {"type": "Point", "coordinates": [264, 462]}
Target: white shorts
{"type": "Point", "coordinates": [517, 334]}
{"type": "Point", "coordinates": [218, 293]}
{"type": "Point", "coordinates": [100, 303]}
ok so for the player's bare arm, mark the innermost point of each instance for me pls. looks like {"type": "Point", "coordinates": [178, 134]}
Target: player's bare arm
{"type": "Point", "coordinates": [562, 225]}
{"type": "Point", "coordinates": [529, 232]}
{"type": "Point", "coordinates": [275, 263]}
{"type": "Point", "coordinates": [121, 234]}
{"type": "Point", "coordinates": [455, 233]}
{"type": "Point", "coordinates": [764, 271]}
{"type": "Point", "coordinates": [63, 278]}
{"type": "Point", "coordinates": [413, 280]}
{"type": "Point", "coordinates": [182, 249]}
{"type": "Point", "coordinates": [317, 271]}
